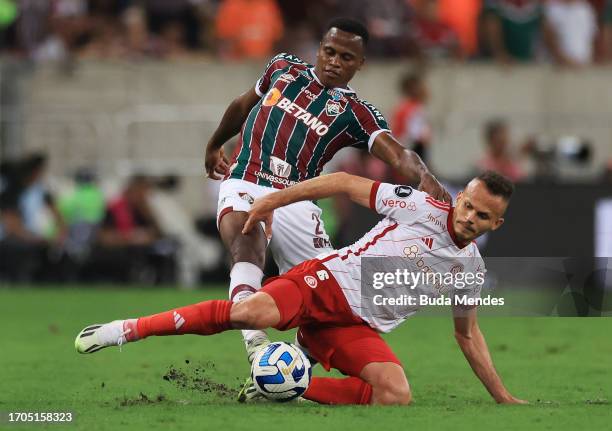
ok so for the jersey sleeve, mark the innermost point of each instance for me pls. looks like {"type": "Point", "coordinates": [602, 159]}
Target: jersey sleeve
{"type": "Point", "coordinates": [368, 124]}
{"type": "Point", "coordinates": [278, 62]}
{"type": "Point", "coordinates": [399, 202]}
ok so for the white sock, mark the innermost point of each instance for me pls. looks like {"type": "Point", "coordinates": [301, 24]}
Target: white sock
{"type": "Point", "coordinates": [245, 280]}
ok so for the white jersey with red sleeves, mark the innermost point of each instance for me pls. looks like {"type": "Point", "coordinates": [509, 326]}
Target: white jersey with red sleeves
{"type": "Point", "coordinates": [416, 228]}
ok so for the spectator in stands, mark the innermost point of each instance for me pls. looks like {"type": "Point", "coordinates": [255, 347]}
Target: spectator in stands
{"type": "Point", "coordinates": [409, 121]}
{"type": "Point", "coordinates": [175, 26]}
{"type": "Point", "coordinates": [128, 219]}
{"type": "Point", "coordinates": [433, 38]}
{"type": "Point", "coordinates": [498, 156]}
{"type": "Point", "coordinates": [130, 244]}
{"type": "Point", "coordinates": [37, 205]}
{"type": "Point", "coordinates": [510, 29]}
{"type": "Point", "coordinates": [570, 29]}
{"type": "Point", "coordinates": [83, 209]}
{"type": "Point", "coordinates": [462, 17]}
{"type": "Point", "coordinates": [248, 28]}
{"type": "Point", "coordinates": [388, 22]}
{"type": "Point", "coordinates": [29, 221]}
{"type": "Point", "coordinates": [603, 42]}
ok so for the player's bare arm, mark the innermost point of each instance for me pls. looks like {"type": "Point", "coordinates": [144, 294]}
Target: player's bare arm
{"type": "Point", "coordinates": [216, 163]}
{"type": "Point", "coordinates": [357, 188]}
{"type": "Point", "coordinates": [474, 347]}
{"type": "Point", "coordinates": [409, 164]}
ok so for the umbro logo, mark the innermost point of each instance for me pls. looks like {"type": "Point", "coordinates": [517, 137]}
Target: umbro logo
{"type": "Point", "coordinates": [178, 320]}
{"type": "Point", "coordinates": [428, 241]}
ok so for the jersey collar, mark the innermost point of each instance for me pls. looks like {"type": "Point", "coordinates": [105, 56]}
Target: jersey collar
{"type": "Point", "coordinates": [347, 90]}
{"type": "Point", "coordinates": [451, 230]}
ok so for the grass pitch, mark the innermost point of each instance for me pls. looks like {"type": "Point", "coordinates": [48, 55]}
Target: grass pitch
{"type": "Point", "coordinates": [563, 366]}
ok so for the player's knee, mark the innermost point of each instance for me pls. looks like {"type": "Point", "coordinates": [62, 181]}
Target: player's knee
{"type": "Point", "coordinates": [247, 253]}
{"type": "Point", "coordinates": [392, 394]}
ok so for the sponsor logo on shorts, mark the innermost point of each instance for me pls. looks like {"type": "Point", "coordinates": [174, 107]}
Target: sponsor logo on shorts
{"type": "Point", "coordinates": [311, 281]}
{"type": "Point", "coordinates": [246, 197]}
{"type": "Point", "coordinates": [403, 191]}
{"type": "Point", "coordinates": [279, 167]}
{"type": "Point", "coordinates": [323, 275]}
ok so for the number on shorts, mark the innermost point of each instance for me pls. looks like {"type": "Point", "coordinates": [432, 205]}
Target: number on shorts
{"type": "Point", "coordinates": [318, 230]}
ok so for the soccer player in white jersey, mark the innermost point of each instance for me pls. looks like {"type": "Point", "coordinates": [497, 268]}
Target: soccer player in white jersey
{"type": "Point", "coordinates": [322, 296]}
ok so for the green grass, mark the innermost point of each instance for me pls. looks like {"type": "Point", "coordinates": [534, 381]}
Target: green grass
{"type": "Point", "coordinates": [562, 365]}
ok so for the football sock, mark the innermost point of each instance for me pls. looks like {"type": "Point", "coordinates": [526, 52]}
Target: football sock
{"type": "Point", "coordinates": [245, 280]}
{"type": "Point", "coordinates": [329, 390]}
{"type": "Point", "coordinates": [204, 318]}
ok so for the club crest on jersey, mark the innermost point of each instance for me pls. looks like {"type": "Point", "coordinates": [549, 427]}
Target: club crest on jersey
{"type": "Point", "coordinates": [333, 108]}
{"type": "Point", "coordinates": [286, 77]}
{"type": "Point", "coordinates": [279, 167]}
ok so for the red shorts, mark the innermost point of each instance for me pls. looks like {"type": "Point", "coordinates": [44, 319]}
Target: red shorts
{"type": "Point", "coordinates": [309, 296]}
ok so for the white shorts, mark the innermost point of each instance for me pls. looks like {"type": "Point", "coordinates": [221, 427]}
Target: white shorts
{"type": "Point", "coordinates": [298, 233]}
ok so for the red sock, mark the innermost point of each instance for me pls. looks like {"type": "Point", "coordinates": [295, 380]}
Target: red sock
{"type": "Point", "coordinates": [204, 318]}
{"type": "Point", "coordinates": [328, 390]}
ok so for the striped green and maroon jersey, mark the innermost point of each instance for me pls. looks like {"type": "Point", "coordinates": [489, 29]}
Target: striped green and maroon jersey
{"type": "Point", "coordinates": [299, 124]}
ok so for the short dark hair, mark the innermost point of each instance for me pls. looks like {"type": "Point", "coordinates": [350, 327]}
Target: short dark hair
{"type": "Point", "coordinates": [497, 184]}
{"type": "Point", "coordinates": [350, 25]}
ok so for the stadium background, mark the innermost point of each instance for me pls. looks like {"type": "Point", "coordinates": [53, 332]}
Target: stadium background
{"type": "Point", "coordinates": [93, 93]}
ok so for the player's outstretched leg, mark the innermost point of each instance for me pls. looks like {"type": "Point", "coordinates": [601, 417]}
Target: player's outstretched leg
{"type": "Point", "coordinates": [248, 259]}
{"type": "Point", "coordinates": [205, 318]}
{"type": "Point", "coordinates": [381, 383]}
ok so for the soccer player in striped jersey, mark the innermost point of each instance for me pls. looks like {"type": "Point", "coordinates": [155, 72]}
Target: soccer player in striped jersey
{"type": "Point", "coordinates": [291, 123]}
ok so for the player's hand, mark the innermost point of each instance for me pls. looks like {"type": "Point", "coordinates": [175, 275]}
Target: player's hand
{"type": "Point", "coordinates": [216, 164]}
{"type": "Point", "coordinates": [430, 185]}
{"type": "Point", "coordinates": [261, 211]}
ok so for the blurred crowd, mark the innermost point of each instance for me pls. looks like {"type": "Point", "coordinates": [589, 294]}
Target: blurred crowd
{"type": "Point", "coordinates": [137, 234]}
{"type": "Point", "coordinates": [569, 33]}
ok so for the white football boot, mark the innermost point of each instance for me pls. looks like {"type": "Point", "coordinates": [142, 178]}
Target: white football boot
{"type": "Point", "coordinates": [101, 335]}
{"type": "Point", "coordinates": [255, 344]}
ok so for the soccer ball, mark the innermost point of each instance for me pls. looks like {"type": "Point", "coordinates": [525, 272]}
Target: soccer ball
{"type": "Point", "coordinates": [281, 371]}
